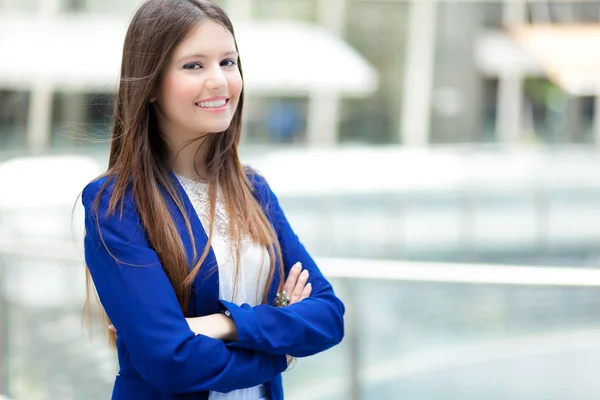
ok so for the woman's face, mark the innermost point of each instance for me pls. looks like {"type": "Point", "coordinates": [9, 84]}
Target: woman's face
{"type": "Point", "coordinates": [201, 85]}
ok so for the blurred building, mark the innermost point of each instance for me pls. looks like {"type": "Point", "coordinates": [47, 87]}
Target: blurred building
{"type": "Point", "coordinates": [390, 72]}
{"type": "Point", "coordinates": [448, 72]}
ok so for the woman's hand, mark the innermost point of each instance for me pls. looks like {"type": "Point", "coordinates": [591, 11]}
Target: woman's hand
{"type": "Point", "coordinates": [296, 284]}
{"type": "Point", "coordinates": [219, 326]}
{"type": "Point", "coordinates": [297, 287]}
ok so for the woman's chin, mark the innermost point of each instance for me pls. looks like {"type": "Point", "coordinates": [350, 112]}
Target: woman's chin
{"type": "Point", "coordinates": [217, 128]}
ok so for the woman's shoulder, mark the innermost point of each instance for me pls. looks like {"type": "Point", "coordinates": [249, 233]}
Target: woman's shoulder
{"type": "Point", "coordinates": [262, 191]}
{"type": "Point", "coordinates": [100, 192]}
{"type": "Point", "coordinates": [257, 181]}
{"type": "Point", "coordinates": [252, 174]}
{"type": "Point", "coordinates": [105, 183]}
{"type": "Point", "coordinates": [93, 187]}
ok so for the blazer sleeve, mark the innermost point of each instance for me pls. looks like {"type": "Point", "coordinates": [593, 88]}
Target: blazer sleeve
{"type": "Point", "coordinates": [301, 329]}
{"type": "Point", "coordinates": [141, 303]}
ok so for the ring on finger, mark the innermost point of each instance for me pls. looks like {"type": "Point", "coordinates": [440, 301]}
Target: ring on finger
{"type": "Point", "coordinates": [283, 298]}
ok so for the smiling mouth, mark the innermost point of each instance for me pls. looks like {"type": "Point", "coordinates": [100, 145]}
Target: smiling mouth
{"type": "Point", "coordinates": [213, 105]}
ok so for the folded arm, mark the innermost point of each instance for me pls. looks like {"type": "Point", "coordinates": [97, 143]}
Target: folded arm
{"type": "Point", "coordinates": [139, 300]}
{"type": "Point", "coordinates": [302, 329]}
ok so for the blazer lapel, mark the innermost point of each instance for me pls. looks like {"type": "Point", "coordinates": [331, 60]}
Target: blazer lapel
{"type": "Point", "coordinates": [205, 290]}
{"type": "Point", "coordinates": [276, 277]}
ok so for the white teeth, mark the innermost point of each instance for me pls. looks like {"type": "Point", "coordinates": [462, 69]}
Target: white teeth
{"type": "Point", "coordinates": [212, 104]}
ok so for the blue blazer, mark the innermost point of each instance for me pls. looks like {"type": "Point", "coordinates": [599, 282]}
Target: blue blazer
{"type": "Point", "coordinates": [159, 356]}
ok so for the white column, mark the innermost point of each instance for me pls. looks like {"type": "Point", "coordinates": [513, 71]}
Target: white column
{"type": "Point", "coordinates": [510, 84]}
{"type": "Point", "coordinates": [40, 101]}
{"type": "Point", "coordinates": [418, 75]}
{"type": "Point", "coordinates": [324, 106]}
{"type": "Point", "coordinates": [510, 106]}
{"type": "Point", "coordinates": [323, 118]}
{"type": "Point", "coordinates": [39, 118]}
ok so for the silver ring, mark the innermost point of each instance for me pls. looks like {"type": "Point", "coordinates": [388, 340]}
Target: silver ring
{"type": "Point", "coordinates": [283, 298]}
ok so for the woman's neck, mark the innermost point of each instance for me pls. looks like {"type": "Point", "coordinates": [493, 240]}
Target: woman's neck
{"type": "Point", "coordinates": [187, 160]}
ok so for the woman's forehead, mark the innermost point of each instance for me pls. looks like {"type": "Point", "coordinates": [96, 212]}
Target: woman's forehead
{"type": "Point", "coordinates": [209, 39]}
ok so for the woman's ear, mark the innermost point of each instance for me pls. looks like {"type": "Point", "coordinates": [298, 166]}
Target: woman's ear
{"type": "Point", "coordinates": [152, 99]}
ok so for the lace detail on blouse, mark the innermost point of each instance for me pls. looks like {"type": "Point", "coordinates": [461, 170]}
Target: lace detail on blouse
{"type": "Point", "coordinates": [248, 287]}
{"type": "Point", "coordinates": [198, 194]}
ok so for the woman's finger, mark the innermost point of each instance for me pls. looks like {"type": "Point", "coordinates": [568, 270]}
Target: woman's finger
{"type": "Point", "coordinates": [306, 292]}
{"type": "Point", "coordinates": [290, 282]}
{"type": "Point", "coordinates": [300, 284]}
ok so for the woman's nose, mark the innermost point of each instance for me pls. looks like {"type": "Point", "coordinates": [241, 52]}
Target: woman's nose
{"type": "Point", "coordinates": [216, 79]}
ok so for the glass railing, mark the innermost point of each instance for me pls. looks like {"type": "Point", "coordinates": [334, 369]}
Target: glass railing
{"type": "Point", "coordinates": [448, 336]}
{"type": "Point", "coordinates": [413, 330]}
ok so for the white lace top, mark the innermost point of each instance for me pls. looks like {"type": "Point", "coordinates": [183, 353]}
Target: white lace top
{"type": "Point", "coordinates": [253, 267]}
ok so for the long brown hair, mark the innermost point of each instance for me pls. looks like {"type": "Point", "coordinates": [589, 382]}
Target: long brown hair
{"type": "Point", "coordinates": [138, 153]}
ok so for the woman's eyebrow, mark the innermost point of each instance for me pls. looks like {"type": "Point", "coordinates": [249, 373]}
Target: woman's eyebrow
{"type": "Point", "coordinates": [199, 55]}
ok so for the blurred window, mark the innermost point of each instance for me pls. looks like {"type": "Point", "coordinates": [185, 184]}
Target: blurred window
{"type": "Point", "coordinates": [13, 119]}
{"type": "Point", "coordinates": [275, 120]}
{"type": "Point", "coordinates": [554, 116]}
{"type": "Point", "coordinates": [81, 120]}
{"type": "Point", "coordinates": [377, 30]}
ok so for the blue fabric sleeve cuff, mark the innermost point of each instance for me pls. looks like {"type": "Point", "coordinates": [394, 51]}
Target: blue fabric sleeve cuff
{"type": "Point", "coordinates": [241, 319]}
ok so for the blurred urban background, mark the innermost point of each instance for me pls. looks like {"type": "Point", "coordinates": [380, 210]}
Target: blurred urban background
{"type": "Point", "coordinates": [462, 138]}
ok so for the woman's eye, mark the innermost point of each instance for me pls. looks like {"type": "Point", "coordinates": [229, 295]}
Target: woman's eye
{"type": "Point", "coordinates": [192, 66]}
{"type": "Point", "coordinates": [230, 62]}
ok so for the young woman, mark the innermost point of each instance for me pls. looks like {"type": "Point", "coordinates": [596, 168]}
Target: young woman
{"type": "Point", "coordinates": [193, 260]}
